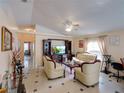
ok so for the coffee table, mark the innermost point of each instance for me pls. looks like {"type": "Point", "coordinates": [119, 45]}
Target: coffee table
{"type": "Point", "coordinates": [71, 65]}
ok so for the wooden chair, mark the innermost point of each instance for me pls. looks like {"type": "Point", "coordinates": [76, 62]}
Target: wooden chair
{"type": "Point", "coordinates": [3, 90]}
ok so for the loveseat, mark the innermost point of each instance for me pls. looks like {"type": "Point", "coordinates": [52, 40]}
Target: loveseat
{"type": "Point", "coordinates": [88, 72]}
{"type": "Point", "coordinates": [84, 57]}
{"type": "Point", "coordinates": [53, 69]}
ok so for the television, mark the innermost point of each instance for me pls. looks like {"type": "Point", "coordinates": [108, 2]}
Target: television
{"type": "Point", "coordinates": [58, 49]}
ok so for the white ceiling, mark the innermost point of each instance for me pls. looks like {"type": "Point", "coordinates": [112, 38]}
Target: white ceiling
{"type": "Point", "coordinates": [22, 11]}
{"type": "Point", "coordinates": [93, 16]}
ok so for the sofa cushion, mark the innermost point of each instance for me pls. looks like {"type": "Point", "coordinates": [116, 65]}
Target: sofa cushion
{"type": "Point", "coordinates": [86, 57]}
{"type": "Point", "coordinates": [77, 60]}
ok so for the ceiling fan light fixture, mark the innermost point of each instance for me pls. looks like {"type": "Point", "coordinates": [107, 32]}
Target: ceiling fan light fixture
{"type": "Point", "coordinates": [28, 29]}
{"type": "Point", "coordinates": [68, 28]}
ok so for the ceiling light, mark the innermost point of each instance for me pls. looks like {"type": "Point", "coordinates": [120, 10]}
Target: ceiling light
{"type": "Point", "coordinates": [14, 28]}
{"type": "Point", "coordinates": [68, 29]}
{"type": "Point", "coordinates": [28, 29]}
{"type": "Point", "coordinates": [69, 26]}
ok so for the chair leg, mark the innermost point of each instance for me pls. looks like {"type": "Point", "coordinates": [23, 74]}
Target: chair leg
{"type": "Point", "coordinates": [64, 74]}
{"type": "Point", "coordinates": [118, 75]}
{"type": "Point", "coordinates": [74, 75]}
{"type": "Point", "coordinates": [101, 66]}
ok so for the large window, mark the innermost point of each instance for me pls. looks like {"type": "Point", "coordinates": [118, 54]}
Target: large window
{"type": "Point", "coordinates": [93, 47]}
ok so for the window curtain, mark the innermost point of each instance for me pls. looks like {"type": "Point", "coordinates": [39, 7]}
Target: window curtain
{"type": "Point", "coordinates": [85, 44]}
{"type": "Point", "coordinates": [102, 45]}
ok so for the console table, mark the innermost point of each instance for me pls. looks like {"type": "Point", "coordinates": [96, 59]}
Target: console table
{"type": "Point", "coordinates": [107, 60]}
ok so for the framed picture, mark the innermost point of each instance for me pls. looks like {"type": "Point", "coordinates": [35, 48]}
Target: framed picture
{"type": "Point", "coordinates": [6, 43]}
{"type": "Point", "coordinates": [81, 43]}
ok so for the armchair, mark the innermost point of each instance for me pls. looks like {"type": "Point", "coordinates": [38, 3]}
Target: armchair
{"type": "Point", "coordinates": [88, 73]}
{"type": "Point", "coordinates": [53, 69]}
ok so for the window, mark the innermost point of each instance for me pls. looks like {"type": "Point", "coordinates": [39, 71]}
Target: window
{"type": "Point", "coordinates": [26, 46]}
{"type": "Point", "coordinates": [93, 47]}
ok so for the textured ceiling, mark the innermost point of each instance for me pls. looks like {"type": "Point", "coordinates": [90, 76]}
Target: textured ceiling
{"type": "Point", "coordinates": [22, 11]}
{"type": "Point", "coordinates": [93, 16]}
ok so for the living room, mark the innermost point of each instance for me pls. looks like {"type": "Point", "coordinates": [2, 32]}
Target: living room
{"type": "Point", "coordinates": [95, 30]}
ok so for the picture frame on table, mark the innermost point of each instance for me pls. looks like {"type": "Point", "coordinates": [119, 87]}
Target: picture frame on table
{"type": "Point", "coordinates": [6, 39]}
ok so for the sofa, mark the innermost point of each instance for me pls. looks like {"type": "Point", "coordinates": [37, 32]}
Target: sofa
{"type": "Point", "coordinates": [53, 69]}
{"type": "Point", "coordinates": [84, 57]}
{"type": "Point", "coordinates": [89, 70]}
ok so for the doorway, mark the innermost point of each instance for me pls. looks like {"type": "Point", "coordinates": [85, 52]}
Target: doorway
{"type": "Point", "coordinates": [28, 54]}
{"type": "Point", "coordinates": [27, 49]}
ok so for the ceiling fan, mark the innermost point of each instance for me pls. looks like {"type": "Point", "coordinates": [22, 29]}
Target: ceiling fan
{"type": "Point", "coordinates": [26, 1]}
{"type": "Point", "coordinates": [69, 26]}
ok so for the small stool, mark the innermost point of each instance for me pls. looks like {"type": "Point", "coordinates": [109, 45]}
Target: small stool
{"type": "Point", "coordinates": [118, 67]}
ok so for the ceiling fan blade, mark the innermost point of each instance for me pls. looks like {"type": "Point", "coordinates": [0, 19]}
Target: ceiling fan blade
{"type": "Point", "coordinates": [76, 25]}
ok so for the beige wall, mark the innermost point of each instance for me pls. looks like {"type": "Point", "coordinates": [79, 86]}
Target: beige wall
{"type": "Point", "coordinates": [24, 37]}
{"type": "Point", "coordinates": [76, 45]}
{"type": "Point", "coordinates": [115, 50]}
{"type": "Point", "coordinates": [6, 19]}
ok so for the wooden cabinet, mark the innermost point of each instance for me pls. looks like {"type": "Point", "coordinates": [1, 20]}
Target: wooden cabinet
{"type": "Point", "coordinates": [47, 49]}
{"type": "Point", "coordinates": [68, 50]}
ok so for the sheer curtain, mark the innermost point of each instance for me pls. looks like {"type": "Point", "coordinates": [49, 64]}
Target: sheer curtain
{"type": "Point", "coordinates": [85, 44]}
{"type": "Point", "coordinates": [102, 45]}
{"type": "Point", "coordinates": [93, 47]}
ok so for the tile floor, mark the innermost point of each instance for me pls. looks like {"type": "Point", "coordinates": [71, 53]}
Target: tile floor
{"type": "Point", "coordinates": [36, 82]}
